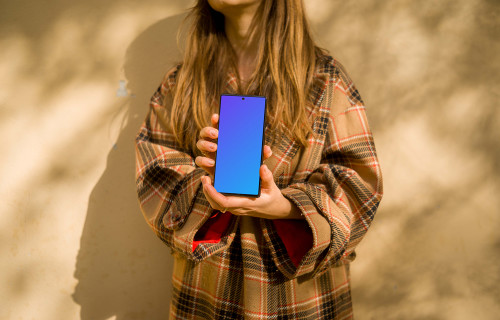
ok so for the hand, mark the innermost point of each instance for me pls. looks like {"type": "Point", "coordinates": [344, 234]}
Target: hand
{"type": "Point", "coordinates": [270, 205]}
{"type": "Point", "coordinates": [207, 145]}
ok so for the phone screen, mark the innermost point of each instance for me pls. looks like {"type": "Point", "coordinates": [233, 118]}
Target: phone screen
{"type": "Point", "coordinates": [239, 147]}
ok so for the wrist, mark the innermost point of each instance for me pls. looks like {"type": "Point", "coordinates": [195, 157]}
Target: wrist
{"type": "Point", "coordinates": [289, 210]}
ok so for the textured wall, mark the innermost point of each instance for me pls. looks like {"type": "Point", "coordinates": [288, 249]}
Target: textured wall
{"type": "Point", "coordinates": [73, 243]}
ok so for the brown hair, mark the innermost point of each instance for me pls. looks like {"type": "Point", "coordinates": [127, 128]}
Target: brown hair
{"type": "Point", "coordinates": [284, 72]}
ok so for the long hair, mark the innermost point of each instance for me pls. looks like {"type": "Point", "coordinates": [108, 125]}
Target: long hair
{"type": "Point", "coordinates": [284, 70]}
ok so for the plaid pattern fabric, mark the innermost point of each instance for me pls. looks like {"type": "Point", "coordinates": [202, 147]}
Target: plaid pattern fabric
{"type": "Point", "coordinates": [335, 181]}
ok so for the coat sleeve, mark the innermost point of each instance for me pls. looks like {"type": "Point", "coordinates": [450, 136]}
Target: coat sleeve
{"type": "Point", "coordinates": [169, 182]}
{"type": "Point", "coordinates": [340, 196]}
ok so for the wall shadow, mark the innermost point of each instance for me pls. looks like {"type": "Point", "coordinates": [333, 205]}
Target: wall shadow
{"type": "Point", "coordinates": [122, 268]}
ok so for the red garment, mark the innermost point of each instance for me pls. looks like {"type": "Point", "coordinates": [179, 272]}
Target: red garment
{"type": "Point", "coordinates": [295, 234]}
{"type": "Point", "coordinates": [214, 229]}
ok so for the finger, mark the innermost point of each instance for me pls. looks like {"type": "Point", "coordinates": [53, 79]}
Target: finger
{"type": "Point", "coordinates": [267, 177]}
{"type": "Point", "coordinates": [206, 146]}
{"type": "Point", "coordinates": [213, 204]}
{"type": "Point", "coordinates": [230, 203]}
{"type": "Point", "coordinates": [204, 162]}
{"type": "Point", "coordinates": [219, 198]}
{"type": "Point", "coordinates": [267, 152]}
{"type": "Point", "coordinates": [211, 194]}
{"type": "Point", "coordinates": [209, 133]}
{"type": "Point", "coordinates": [215, 119]}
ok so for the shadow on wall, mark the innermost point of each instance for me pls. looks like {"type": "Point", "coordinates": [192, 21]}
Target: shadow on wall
{"type": "Point", "coordinates": [122, 268]}
{"type": "Point", "coordinates": [432, 253]}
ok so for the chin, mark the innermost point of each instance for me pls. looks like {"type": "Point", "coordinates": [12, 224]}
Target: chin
{"type": "Point", "coordinates": [223, 5]}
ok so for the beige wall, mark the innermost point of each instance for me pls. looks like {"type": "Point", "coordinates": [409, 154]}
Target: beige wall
{"type": "Point", "coordinates": [73, 243]}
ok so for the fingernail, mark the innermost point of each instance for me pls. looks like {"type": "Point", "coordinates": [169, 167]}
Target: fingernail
{"type": "Point", "coordinates": [210, 161]}
{"type": "Point", "coordinates": [213, 132]}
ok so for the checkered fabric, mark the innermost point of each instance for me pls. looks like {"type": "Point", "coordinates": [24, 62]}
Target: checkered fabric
{"type": "Point", "coordinates": [335, 181]}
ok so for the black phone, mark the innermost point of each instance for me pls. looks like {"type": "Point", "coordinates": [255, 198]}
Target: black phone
{"type": "Point", "coordinates": [240, 145]}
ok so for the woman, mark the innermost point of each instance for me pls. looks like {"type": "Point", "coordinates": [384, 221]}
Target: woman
{"type": "Point", "coordinates": [285, 254]}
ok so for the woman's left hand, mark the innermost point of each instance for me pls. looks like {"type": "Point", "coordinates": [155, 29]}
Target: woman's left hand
{"type": "Point", "coordinates": [270, 205]}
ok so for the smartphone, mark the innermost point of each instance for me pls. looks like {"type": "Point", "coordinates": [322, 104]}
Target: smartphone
{"type": "Point", "coordinates": [240, 145]}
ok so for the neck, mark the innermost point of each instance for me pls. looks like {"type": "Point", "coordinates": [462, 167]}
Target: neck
{"type": "Point", "coordinates": [243, 40]}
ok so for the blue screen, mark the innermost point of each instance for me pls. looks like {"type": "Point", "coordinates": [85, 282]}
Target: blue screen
{"type": "Point", "coordinates": [239, 146]}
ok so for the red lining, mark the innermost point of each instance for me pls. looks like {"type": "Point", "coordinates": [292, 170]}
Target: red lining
{"type": "Point", "coordinates": [296, 236]}
{"type": "Point", "coordinates": [213, 229]}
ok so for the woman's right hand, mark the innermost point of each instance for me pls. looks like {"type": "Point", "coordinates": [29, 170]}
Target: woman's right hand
{"type": "Point", "coordinates": [207, 145]}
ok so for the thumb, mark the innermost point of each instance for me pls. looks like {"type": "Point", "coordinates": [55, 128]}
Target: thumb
{"type": "Point", "coordinates": [267, 177]}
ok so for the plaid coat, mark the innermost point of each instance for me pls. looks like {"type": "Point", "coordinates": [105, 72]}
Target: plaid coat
{"type": "Point", "coordinates": [248, 273]}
